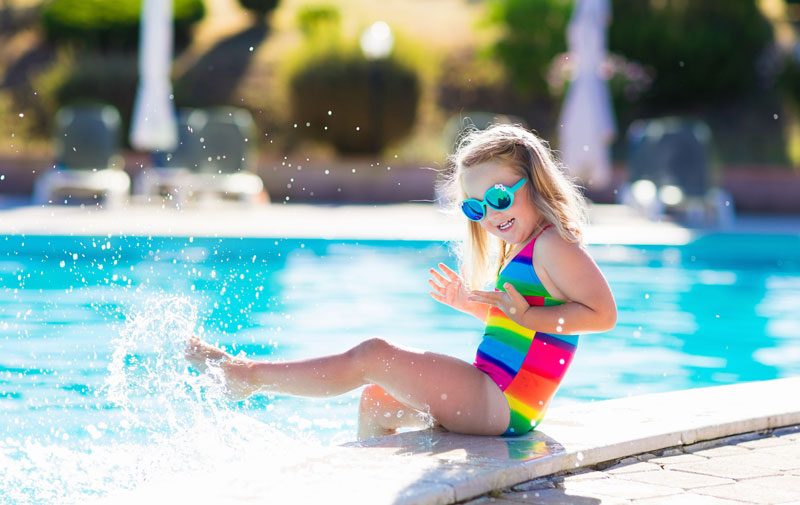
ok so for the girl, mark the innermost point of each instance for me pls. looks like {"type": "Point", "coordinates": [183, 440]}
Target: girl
{"type": "Point", "coordinates": [547, 291]}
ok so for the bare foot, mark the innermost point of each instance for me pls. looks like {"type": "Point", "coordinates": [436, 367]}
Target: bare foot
{"type": "Point", "coordinates": [202, 354]}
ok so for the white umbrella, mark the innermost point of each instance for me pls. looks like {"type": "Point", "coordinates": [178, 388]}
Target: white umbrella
{"type": "Point", "coordinates": [154, 126]}
{"type": "Point", "coordinates": [587, 119]}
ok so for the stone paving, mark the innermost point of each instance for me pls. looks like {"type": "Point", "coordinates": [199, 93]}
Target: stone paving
{"type": "Point", "coordinates": [754, 468]}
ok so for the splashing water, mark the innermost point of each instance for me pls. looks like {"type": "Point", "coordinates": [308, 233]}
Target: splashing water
{"type": "Point", "coordinates": [170, 419]}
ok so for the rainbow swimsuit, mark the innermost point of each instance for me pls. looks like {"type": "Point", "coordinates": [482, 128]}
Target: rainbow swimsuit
{"type": "Point", "coordinates": [527, 365]}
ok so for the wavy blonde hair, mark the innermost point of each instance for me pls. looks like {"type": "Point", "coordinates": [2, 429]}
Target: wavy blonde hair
{"type": "Point", "coordinates": [557, 199]}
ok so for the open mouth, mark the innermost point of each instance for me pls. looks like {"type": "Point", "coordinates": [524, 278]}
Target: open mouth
{"type": "Point", "coordinates": [506, 225]}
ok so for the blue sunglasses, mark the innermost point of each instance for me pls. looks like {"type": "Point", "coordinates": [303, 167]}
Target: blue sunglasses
{"type": "Point", "coordinates": [498, 197]}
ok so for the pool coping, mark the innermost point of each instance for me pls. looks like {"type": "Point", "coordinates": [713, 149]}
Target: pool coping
{"type": "Point", "coordinates": [434, 467]}
{"type": "Point", "coordinates": [610, 224]}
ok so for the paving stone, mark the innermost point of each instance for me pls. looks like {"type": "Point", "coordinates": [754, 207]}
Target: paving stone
{"type": "Point", "coordinates": [646, 456]}
{"type": "Point", "coordinates": [577, 477]}
{"type": "Point", "coordinates": [636, 466]}
{"type": "Point", "coordinates": [619, 488]}
{"type": "Point", "coordinates": [762, 459]}
{"type": "Point", "coordinates": [562, 497]}
{"type": "Point", "coordinates": [745, 491]}
{"type": "Point", "coordinates": [722, 450]}
{"type": "Point", "coordinates": [765, 442]}
{"type": "Point", "coordinates": [786, 482]}
{"type": "Point", "coordinates": [686, 499]}
{"type": "Point", "coordinates": [724, 467]}
{"type": "Point", "coordinates": [683, 480]}
{"type": "Point", "coordinates": [790, 450]}
{"type": "Point", "coordinates": [678, 458]}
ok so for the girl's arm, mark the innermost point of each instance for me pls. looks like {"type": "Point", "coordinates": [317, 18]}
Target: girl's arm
{"type": "Point", "coordinates": [589, 306]}
{"type": "Point", "coordinates": [448, 288]}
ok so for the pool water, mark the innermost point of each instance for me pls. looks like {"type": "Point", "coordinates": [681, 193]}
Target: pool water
{"type": "Point", "coordinates": [95, 395]}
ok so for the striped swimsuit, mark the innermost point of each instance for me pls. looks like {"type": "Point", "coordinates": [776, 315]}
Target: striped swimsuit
{"type": "Point", "coordinates": [527, 365]}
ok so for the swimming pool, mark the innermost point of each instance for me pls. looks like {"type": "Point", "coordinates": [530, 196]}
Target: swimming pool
{"type": "Point", "coordinates": [95, 395]}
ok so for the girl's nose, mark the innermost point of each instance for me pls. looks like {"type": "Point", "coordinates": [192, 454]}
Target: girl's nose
{"type": "Point", "coordinates": [491, 212]}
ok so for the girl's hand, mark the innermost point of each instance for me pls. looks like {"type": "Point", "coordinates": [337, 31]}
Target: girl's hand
{"type": "Point", "coordinates": [510, 302]}
{"type": "Point", "coordinates": [448, 288]}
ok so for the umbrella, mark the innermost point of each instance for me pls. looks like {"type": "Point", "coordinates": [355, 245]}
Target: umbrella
{"type": "Point", "coordinates": [154, 126]}
{"type": "Point", "coordinates": [587, 119]}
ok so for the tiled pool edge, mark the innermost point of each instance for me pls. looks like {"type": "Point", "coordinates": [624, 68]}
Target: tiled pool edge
{"type": "Point", "coordinates": [612, 430]}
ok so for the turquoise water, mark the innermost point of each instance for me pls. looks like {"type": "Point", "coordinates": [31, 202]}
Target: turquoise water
{"type": "Point", "coordinates": [92, 328]}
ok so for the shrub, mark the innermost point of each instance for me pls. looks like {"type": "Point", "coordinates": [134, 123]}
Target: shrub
{"type": "Point", "coordinates": [701, 51]}
{"type": "Point", "coordinates": [358, 105]}
{"type": "Point", "coordinates": [111, 23]}
{"type": "Point", "coordinates": [260, 7]}
{"type": "Point", "coordinates": [313, 19]}
{"type": "Point", "coordinates": [534, 32]}
{"type": "Point", "coordinates": [104, 79]}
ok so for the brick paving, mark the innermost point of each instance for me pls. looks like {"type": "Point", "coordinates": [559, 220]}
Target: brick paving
{"type": "Point", "coordinates": [754, 468]}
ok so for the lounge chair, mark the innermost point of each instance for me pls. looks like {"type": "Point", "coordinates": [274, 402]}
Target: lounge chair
{"type": "Point", "coordinates": [214, 158]}
{"type": "Point", "coordinates": [88, 166]}
{"type": "Point", "coordinates": [669, 172]}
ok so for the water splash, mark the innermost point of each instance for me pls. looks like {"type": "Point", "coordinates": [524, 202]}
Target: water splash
{"type": "Point", "coordinates": [169, 419]}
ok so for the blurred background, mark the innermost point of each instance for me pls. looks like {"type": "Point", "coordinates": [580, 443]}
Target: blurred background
{"type": "Point", "coordinates": [353, 94]}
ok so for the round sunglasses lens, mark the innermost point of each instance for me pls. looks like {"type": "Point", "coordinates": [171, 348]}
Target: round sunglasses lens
{"type": "Point", "coordinates": [472, 209]}
{"type": "Point", "coordinates": [499, 199]}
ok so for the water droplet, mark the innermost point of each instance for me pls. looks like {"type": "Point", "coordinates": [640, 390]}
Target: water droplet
{"type": "Point", "coordinates": [444, 396]}
{"type": "Point", "coordinates": [561, 361]}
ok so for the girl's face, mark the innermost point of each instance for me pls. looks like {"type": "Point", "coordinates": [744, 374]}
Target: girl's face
{"type": "Point", "coordinates": [515, 224]}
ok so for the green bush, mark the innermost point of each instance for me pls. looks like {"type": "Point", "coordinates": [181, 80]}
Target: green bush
{"type": "Point", "coordinates": [700, 51]}
{"type": "Point", "coordinates": [313, 19]}
{"type": "Point", "coordinates": [534, 32]}
{"type": "Point", "coordinates": [358, 105]}
{"type": "Point", "coordinates": [104, 79]}
{"type": "Point", "coordinates": [111, 23]}
{"type": "Point", "coordinates": [260, 7]}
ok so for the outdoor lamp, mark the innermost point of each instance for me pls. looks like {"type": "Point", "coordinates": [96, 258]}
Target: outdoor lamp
{"type": "Point", "coordinates": [377, 41]}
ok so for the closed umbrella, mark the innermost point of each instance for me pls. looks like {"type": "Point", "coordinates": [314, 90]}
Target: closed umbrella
{"type": "Point", "coordinates": [154, 126]}
{"type": "Point", "coordinates": [587, 119]}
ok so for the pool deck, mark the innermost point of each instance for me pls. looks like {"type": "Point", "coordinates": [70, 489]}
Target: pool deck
{"type": "Point", "coordinates": [722, 445]}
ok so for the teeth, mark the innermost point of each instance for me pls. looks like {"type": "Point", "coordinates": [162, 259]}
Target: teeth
{"type": "Point", "coordinates": [505, 225]}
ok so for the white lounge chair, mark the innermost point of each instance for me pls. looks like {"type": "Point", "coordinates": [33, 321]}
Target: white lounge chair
{"type": "Point", "coordinates": [88, 166]}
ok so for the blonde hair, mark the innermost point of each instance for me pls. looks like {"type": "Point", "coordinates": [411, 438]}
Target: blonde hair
{"type": "Point", "coordinates": [557, 199]}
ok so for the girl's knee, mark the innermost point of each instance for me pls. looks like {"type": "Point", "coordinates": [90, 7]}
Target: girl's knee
{"type": "Point", "coordinates": [370, 350]}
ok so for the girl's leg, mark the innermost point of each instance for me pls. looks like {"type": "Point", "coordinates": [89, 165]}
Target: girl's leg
{"type": "Point", "coordinates": [458, 395]}
{"type": "Point", "coordinates": [380, 414]}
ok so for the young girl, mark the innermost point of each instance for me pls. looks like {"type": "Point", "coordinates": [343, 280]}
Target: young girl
{"type": "Point", "coordinates": [547, 291]}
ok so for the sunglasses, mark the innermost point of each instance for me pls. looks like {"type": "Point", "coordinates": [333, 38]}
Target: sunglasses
{"type": "Point", "coordinates": [498, 197]}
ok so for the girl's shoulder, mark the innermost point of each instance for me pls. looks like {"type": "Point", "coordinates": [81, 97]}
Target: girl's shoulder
{"type": "Point", "coordinates": [550, 244]}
